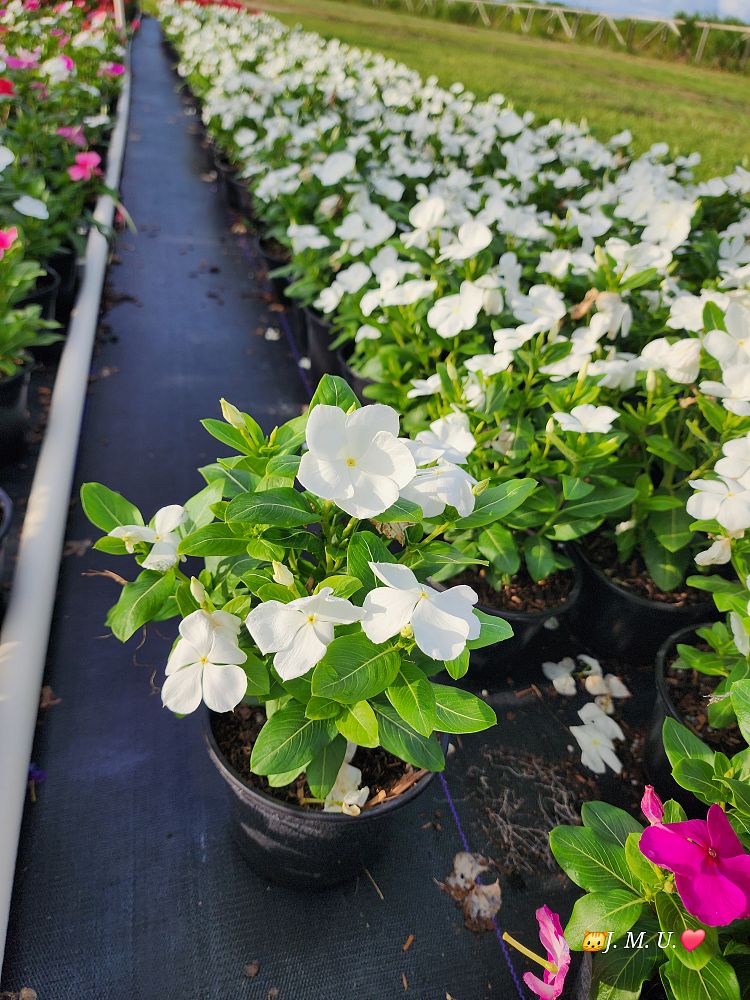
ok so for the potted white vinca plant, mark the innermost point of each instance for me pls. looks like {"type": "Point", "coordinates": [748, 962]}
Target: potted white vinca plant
{"type": "Point", "coordinates": [309, 632]}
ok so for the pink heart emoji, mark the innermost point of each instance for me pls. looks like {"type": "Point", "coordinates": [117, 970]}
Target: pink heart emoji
{"type": "Point", "coordinates": [692, 939]}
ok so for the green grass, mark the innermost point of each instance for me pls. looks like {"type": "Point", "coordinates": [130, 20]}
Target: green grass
{"type": "Point", "coordinates": [690, 108]}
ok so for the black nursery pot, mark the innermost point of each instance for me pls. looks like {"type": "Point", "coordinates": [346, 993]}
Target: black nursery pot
{"type": "Point", "coordinates": [614, 622]}
{"type": "Point", "coordinates": [305, 848]}
{"type": "Point", "coordinates": [357, 382]}
{"type": "Point", "coordinates": [14, 414]}
{"type": "Point", "coordinates": [656, 762]}
{"type": "Point", "coordinates": [279, 283]}
{"type": "Point", "coordinates": [500, 659]}
{"type": "Point", "coordinates": [6, 519]}
{"type": "Point", "coordinates": [66, 265]}
{"type": "Point", "coordinates": [323, 360]}
{"type": "Point", "coordinates": [45, 293]}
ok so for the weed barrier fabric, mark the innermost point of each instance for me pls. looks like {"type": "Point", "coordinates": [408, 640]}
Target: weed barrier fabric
{"type": "Point", "coordinates": [128, 886]}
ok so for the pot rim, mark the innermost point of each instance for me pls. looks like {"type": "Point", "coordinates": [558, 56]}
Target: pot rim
{"type": "Point", "coordinates": [232, 777]}
{"type": "Point", "coordinates": [6, 514]}
{"type": "Point", "coordinates": [530, 616]}
{"type": "Point", "coordinates": [645, 602]}
{"type": "Point", "coordinates": [662, 691]}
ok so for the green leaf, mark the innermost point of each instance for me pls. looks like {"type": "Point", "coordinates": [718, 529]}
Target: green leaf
{"type": "Point", "coordinates": [215, 539]}
{"type": "Point", "coordinates": [140, 602]}
{"type": "Point", "coordinates": [697, 776]}
{"type": "Point", "coordinates": [322, 708]}
{"type": "Point", "coordinates": [681, 744]}
{"type": "Point", "coordinates": [615, 911]}
{"type": "Point", "coordinates": [107, 509]}
{"type": "Point", "coordinates": [289, 740]}
{"type": "Point", "coordinates": [649, 874]}
{"type": "Point", "coordinates": [717, 980]}
{"type": "Point", "coordinates": [497, 502]}
{"type": "Point", "coordinates": [672, 528]}
{"type": "Point", "coordinates": [283, 508]}
{"type": "Point", "coordinates": [359, 725]}
{"type": "Point", "coordinates": [402, 511]}
{"type": "Point", "coordinates": [667, 569]}
{"type": "Point", "coordinates": [498, 545]}
{"type": "Point", "coordinates": [364, 548]}
{"type": "Point", "coordinates": [458, 711]}
{"type": "Point", "coordinates": [341, 585]}
{"type": "Point", "coordinates": [741, 704]}
{"type": "Point", "coordinates": [603, 501]}
{"type": "Point", "coordinates": [621, 972]}
{"type": "Point", "coordinates": [673, 917]}
{"type": "Point", "coordinates": [412, 696]}
{"type": "Point", "coordinates": [575, 489]}
{"type": "Point", "coordinates": [493, 629]}
{"type": "Point", "coordinates": [539, 556]}
{"type": "Point", "coordinates": [609, 822]}
{"type": "Point", "coordinates": [334, 391]}
{"type": "Point", "coordinates": [594, 864]}
{"type": "Point", "coordinates": [354, 669]}
{"type": "Point", "coordinates": [713, 317]}
{"type": "Point", "coordinates": [458, 667]}
{"type": "Point", "coordinates": [199, 507]}
{"type": "Point", "coordinates": [258, 678]}
{"type": "Point", "coordinates": [323, 769]}
{"type": "Point", "coordinates": [227, 434]}
{"type": "Point", "coordinates": [398, 738]}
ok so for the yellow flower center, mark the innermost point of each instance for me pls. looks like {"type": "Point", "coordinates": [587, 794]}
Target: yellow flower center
{"type": "Point", "coordinates": [351, 462]}
{"type": "Point", "coordinates": [312, 618]}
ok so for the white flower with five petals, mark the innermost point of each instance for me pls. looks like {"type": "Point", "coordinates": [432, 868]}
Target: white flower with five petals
{"type": "Point", "coordinates": [205, 665]}
{"type": "Point", "coordinates": [162, 537]}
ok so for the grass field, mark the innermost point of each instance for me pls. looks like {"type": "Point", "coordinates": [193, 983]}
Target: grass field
{"type": "Point", "coordinates": [690, 108]}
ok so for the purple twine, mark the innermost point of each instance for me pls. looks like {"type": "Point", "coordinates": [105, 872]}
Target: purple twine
{"type": "Point", "coordinates": [465, 844]}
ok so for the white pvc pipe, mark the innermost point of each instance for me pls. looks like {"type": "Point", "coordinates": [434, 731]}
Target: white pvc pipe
{"type": "Point", "coordinates": [25, 631]}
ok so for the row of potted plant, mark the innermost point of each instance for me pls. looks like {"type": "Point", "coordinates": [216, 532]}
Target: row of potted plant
{"type": "Point", "coordinates": [60, 70]}
{"type": "Point", "coordinates": [555, 308]}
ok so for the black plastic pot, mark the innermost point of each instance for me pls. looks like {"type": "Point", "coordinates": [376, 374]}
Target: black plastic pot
{"type": "Point", "coordinates": [358, 382]}
{"type": "Point", "coordinates": [14, 414]}
{"type": "Point", "coordinates": [6, 519]}
{"type": "Point", "coordinates": [657, 765]}
{"type": "Point", "coordinates": [279, 283]}
{"type": "Point", "coordinates": [66, 265]}
{"type": "Point", "coordinates": [614, 622]}
{"type": "Point", "coordinates": [44, 294]}
{"type": "Point", "coordinates": [323, 360]}
{"type": "Point", "coordinates": [305, 848]}
{"type": "Point", "coordinates": [500, 659]}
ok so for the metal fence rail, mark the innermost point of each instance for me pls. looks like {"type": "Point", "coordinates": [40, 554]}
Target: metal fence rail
{"type": "Point", "coordinates": [577, 22]}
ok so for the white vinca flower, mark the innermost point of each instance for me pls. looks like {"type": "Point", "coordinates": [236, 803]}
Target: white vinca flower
{"type": "Point", "coordinates": [32, 208]}
{"type": "Point", "coordinates": [162, 537]}
{"type": "Point", "coordinates": [724, 500]}
{"type": "Point", "coordinates": [472, 238]}
{"type": "Point", "coordinates": [451, 435]}
{"type": "Point", "coordinates": [561, 675]}
{"type": "Point", "coordinates": [299, 632]}
{"type": "Point", "coordinates": [680, 361]}
{"type": "Point", "coordinates": [205, 665]}
{"type": "Point", "coordinates": [442, 621]}
{"type": "Point", "coordinates": [453, 314]}
{"type": "Point", "coordinates": [734, 391]}
{"type": "Point", "coordinates": [595, 738]}
{"type": "Point", "coordinates": [345, 795]}
{"type": "Point", "coordinates": [334, 168]}
{"type": "Point", "coordinates": [442, 484]}
{"type": "Point", "coordinates": [356, 459]}
{"type": "Point", "coordinates": [587, 419]}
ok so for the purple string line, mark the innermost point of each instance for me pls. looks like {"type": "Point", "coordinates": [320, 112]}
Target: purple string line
{"type": "Point", "coordinates": [465, 844]}
{"type": "Point", "coordinates": [252, 257]}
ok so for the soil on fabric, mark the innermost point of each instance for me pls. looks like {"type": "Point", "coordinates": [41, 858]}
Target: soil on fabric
{"type": "Point", "coordinates": [522, 594]}
{"type": "Point", "coordinates": [690, 691]}
{"type": "Point", "coordinates": [633, 576]}
{"type": "Point", "coordinates": [237, 731]}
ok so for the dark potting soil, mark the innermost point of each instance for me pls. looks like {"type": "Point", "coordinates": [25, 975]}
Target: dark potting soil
{"type": "Point", "coordinates": [522, 594]}
{"type": "Point", "coordinates": [237, 731]}
{"type": "Point", "coordinates": [690, 691]}
{"type": "Point", "coordinates": [633, 575]}
{"type": "Point", "coordinates": [275, 250]}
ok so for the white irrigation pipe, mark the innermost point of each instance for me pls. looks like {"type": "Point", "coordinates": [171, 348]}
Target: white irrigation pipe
{"type": "Point", "coordinates": [25, 631]}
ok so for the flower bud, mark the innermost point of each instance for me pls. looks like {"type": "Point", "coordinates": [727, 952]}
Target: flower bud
{"type": "Point", "coordinates": [232, 415]}
{"type": "Point", "coordinates": [652, 806]}
{"type": "Point", "coordinates": [479, 488]}
{"type": "Point", "coordinates": [281, 574]}
{"type": "Point", "coordinates": [197, 590]}
{"type": "Point", "coordinates": [651, 380]}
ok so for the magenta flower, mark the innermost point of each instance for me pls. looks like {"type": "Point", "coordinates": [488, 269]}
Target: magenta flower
{"type": "Point", "coordinates": [24, 60]}
{"type": "Point", "coordinates": [85, 167]}
{"type": "Point", "coordinates": [711, 867]}
{"type": "Point", "coordinates": [111, 69]}
{"type": "Point", "coordinates": [652, 806]}
{"type": "Point", "coordinates": [557, 962]}
{"type": "Point", "coordinates": [7, 238]}
{"type": "Point", "coordinates": [74, 134]}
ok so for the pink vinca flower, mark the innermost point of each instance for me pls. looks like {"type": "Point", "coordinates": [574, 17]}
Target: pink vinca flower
{"type": "Point", "coordinates": [558, 953]}
{"type": "Point", "coordinates": [111, 69]}
{"type": "Point", "coordinates": [74, 134]}
{"type": "Point", "coordinates": [85, 167]}
{"type": "Point", "coordinates": [7, 238]}
{"type": "Point", "coordinates": [24, 60]}
{"type": "Point", "coordinates": [711, 867]}
{"type": "Point", "coordinates": [652, 806]}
